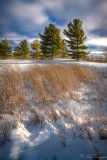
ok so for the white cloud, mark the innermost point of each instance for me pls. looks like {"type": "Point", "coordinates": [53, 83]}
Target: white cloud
{"type": "Point", "coordinates": [97, 42]}
{"type": "Point", "coordinates": [96, 52]}
{"type": "Point", "coordinates": [17, 38]}
{"type": "Point", "coordinates": [31, 13]}
{"type": "Point", "coordinates": [13, 36]}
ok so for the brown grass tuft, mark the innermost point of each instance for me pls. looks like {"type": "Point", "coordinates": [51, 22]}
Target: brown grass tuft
{"type": "Point", "coordinates": [40, 86]}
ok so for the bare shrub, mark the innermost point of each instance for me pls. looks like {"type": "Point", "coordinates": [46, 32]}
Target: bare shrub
{"type": "Point", "coordinates": [6, 125]}
{"type": "Point", "coordinates": [100, 85]}
{"type": "Point", "coordinates": [36, 117]}
{"type": "Point", "coordinates": [105, 54]}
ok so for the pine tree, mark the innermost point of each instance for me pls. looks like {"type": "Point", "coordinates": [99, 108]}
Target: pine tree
{"type": "Point", "coordinates": [50, 43]}
{"type": "Point", "coordinates": [64, 49]}
{"type": "Point", "coordinates": [35, 45]}
{"type": "Point", "coordinates": [5, 48]}
{"type": "Point", "coordinates": [76, 38]}
{"type": "Point", "coordinates": [17, 51]}
{"type": "Point", "coordinates": [22, 49]}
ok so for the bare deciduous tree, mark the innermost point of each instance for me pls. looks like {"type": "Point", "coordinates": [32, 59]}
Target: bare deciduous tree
{"type": "Point", "coordinates": [105, 54]}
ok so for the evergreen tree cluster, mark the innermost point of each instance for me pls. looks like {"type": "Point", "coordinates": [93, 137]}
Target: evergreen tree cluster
{"type": "Point", "coordinates": [5, 48]}
{"type": "Point", "coordinates": [22, 50]}
{"type": "Point", "coordinates": [51, 43]}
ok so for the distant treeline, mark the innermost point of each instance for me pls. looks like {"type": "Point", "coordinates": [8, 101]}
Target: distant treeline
{"type": "Point", "coordinates": [51, 44]}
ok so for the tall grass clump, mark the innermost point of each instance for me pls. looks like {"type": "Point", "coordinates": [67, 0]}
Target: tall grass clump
{"type": "Point", "coordinates": [36, 90]}
{"type": "Point", "coordinates": [12, 98]}
{"type": "Point", "coordinates": [50, 83]}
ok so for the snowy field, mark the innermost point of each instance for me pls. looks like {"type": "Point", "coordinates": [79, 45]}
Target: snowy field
{"type": "Point", "coordinates": [80, 135]}
{"type": "Point", "coordinates": [26, 63]}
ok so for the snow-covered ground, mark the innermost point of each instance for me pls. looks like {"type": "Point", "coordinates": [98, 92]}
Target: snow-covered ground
{"type": "Point", "coordinates": [26, 63]}
{"type": "Point", "coordinates": [63, 139]}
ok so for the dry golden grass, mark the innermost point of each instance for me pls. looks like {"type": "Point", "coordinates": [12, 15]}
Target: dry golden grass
{"type": "Point", "coordinates": [42, 86]}
{"type": "Point", "coordinates": [37, 90]}
{"type": "Point", "coordinates": [48, 84]}
{"type": "Point", "coordinates": [12, 97]}
{"type": "Point", "coordinates": [83, 73]}
{"type": "Point", "coordinates": [45, 85]}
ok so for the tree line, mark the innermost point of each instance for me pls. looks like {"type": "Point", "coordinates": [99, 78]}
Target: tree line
{"type": "Point", "coordinates": [51, 44]}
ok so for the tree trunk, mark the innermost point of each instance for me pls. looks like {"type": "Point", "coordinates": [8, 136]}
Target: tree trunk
{"type": "Point", "coordinates": [77, 52]}
{"type": "Point", "coordinates": [52, 55]}
{"type": "Point", "coordinates": [77, 55]}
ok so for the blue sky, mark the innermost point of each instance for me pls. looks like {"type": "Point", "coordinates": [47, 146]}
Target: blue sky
{"type": "Point", "coordinates": [24, 19]}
